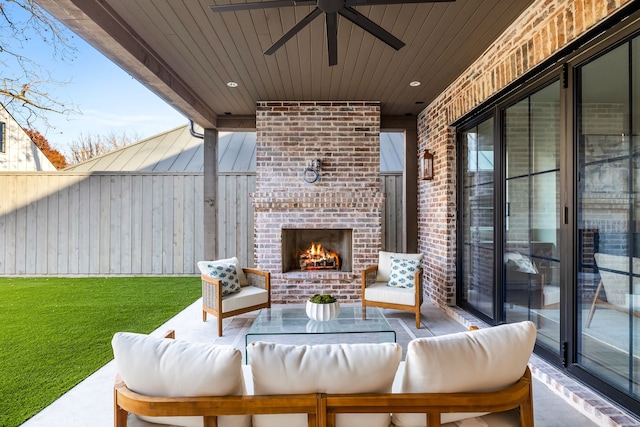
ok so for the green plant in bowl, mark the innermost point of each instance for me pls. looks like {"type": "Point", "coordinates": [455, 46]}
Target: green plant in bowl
{"type": "Point", "coordinates": [322, 299]}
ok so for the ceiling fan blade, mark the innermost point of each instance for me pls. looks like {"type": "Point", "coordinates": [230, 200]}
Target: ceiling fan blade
{"type": "Point", "coordinates": [382, 2]}
{"type": "Point", "coordinates": [368, 25]}
{"type": "Point", "coordinates": [332, 37]}
{"type": "Point", "coordinates": [292, 32]}
{"type": "Point", "coordinates": [261, 5]}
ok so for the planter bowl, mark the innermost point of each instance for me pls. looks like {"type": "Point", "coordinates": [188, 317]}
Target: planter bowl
{"type": "Point", "coordinates": [323, 312]}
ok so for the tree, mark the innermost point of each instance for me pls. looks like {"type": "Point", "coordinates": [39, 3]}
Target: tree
{"type": "Point", "coordinates": [24, 85]}
{"type": "Point", "coordinates": [55, 157]}
{"type": "Point", "coordinates": [89, 146]}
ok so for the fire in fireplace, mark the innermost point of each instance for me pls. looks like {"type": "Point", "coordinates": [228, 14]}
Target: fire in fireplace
{"type": "Point", "coordinates": [315, 257]}
{"type": "Point", "coordinates": [312, 249]}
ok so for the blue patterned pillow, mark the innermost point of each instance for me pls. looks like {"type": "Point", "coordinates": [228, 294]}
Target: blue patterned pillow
{"type": "Point", "coordinates": [227, 274]}
{"type": "Point", "coordinates": [403, 272]}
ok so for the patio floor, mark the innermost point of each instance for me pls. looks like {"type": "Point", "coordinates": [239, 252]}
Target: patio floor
{"type": "Point", "coordinates": [558, 401]}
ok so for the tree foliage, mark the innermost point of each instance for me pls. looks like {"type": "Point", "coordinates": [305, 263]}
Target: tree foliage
{"type": "Point", "coordinates": [55, 157]}
{"type": "Point", "coordinates": [25, 86]}
{"type": "Point", "coordinates": [89, 146]}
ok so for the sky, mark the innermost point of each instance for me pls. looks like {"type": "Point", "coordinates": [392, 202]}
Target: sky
{"type": "Point", "coordinates": [108, 99]}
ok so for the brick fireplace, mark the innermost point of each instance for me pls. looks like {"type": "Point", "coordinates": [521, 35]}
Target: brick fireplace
{"type": "Point", "coordinates": [343, 206]}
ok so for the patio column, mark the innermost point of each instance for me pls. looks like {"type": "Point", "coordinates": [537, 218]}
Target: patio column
{"type": "Point", "coordinates": [410, 176]}
{"type": "Point", "coordinates": [210, 194]}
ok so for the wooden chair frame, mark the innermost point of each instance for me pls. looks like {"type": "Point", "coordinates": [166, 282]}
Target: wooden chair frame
{"type": "Point", "coordinates": [212, 295]}
{"type": "Point", "coordinates": [369, 277]}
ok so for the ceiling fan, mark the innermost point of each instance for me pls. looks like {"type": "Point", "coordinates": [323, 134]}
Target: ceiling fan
{"type": "Point", "coordinates": [331, 9]}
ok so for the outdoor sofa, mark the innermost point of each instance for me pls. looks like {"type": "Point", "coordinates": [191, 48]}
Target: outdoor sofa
{"type": "Point", "coordinates": [444, 379]}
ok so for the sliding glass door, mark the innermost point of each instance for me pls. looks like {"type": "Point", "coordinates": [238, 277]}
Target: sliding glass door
{"type": "Point", "coordinates": [549, 226]}
{"type": "Point", "coordinates": [609, 217]}
{"type": "Point", "coordinates": [532, 214]}
{"type": "Point", "coordinates": [478, 189]}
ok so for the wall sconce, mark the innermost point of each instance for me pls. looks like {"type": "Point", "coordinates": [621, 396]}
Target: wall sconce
{"type": "Point", "coordinates": [426, 165]}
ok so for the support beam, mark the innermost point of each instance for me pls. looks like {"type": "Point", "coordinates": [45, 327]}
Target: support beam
{"type": "Point", "coordinates": [108, 32]}
{"type": "Point", "coordinates": [236, 123]}
{"type": "Point", "coordinates": [211, 194]}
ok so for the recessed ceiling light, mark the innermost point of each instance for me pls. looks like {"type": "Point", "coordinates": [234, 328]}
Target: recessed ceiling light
{"type": "Point", "coordinates": [232, 84]}
{"type": "Point", "coordinates": [415, 83]}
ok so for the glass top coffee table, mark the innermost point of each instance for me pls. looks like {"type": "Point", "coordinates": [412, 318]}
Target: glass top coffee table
{"type": "Point", "coordinates": [290, 325]}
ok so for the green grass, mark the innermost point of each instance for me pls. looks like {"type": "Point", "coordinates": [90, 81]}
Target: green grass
{"type": "Point", "coordinates": [55, 332]}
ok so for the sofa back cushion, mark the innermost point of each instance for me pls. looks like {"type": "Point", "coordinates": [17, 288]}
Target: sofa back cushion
{"type": "Point", "coordinates": [331, 368]}
{"type": "Point", "coordinates": [171, 368]}
{"type": "Point", "coordinates": [384, 263]}
{"type": "Point", "coordinates": [474, 361]}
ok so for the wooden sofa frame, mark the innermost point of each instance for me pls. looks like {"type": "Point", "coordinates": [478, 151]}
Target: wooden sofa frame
{"type": "Point", "coordinates": [321, 408]}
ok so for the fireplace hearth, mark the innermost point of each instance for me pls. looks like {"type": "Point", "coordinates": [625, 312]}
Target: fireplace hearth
{"type": "Point", "coordinates": [310, 250]}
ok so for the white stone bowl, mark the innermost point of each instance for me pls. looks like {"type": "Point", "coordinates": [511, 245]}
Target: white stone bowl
{"type": "Point", "coordinates": [323, 312]}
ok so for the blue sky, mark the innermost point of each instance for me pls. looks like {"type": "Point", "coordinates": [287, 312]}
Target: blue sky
{"type": "Point", "coordinates": [109, 99]}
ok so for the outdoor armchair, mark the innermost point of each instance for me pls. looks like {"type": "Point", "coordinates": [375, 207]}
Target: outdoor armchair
{"type": "Point", "coordinates": [229, 290]}
{"type": "Point", "coordinates": [395, 282]}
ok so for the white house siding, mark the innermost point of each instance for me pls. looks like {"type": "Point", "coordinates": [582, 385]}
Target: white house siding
{"type": "Point", "coordinates": [20, 153]}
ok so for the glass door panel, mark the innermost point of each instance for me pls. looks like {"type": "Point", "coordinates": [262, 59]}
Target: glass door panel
{"type": "Point", "coordinates": [532, 214]}
{"type": "Point", "coordinates": [609, 243]}
{"type": "Point", "coordinates": [478, 218]}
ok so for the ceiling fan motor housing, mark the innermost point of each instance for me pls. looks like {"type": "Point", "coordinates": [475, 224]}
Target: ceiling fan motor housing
{"type": "Point", "coordinates": [330, 6]}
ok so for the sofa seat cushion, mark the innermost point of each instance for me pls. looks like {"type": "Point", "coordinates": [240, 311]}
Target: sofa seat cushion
{"type": "Point", "coordinates": [384, 263]}
{"type": "Point", "coordinates": [380, 292]}
{"type": "Point", "coordinates": [474, 361]}
{"type": "Point", "coordinates": [164, 367]}
{"type": "Point", "coordinates": [247, 297]}
{"type": "Point", "coordinates": [327, 368]}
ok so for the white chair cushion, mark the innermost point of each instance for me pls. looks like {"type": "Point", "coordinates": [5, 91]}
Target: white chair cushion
{"type": "Point", "coordinates": [474, 361]}
{"type": "Point", "coordinates": [382, 293]}
{"type": "Point", "coordinates": [165, 367]}
{"type": "Point", "coordinates": [247, 297]}
{"type": "Point", "coordinates": [334, 368]}
{"type": "Point", "coordinates": [242, 278]}
{"type": "Point", "coordinates": [384, 263]}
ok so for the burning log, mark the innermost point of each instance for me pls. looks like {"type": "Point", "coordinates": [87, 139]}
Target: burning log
{"type": "Point", "coordinates": [318, 258]}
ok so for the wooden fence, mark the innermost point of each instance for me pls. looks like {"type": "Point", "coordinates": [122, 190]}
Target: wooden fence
{"type": "Point", "coordinates": [132, 223]}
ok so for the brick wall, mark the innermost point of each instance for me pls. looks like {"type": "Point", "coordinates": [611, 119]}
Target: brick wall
{"type": "Point", "coordinates": [546, 27]}
{"type": "Point", "coordinates": [345, 136]}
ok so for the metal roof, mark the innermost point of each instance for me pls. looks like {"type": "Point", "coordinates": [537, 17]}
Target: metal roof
{"type": "Point", "coordinates": [177, 150]}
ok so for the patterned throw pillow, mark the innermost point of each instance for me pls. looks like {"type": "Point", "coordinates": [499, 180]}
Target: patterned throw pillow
{"type": "Point", "coordinates": [403, 272]}
{"type": "Point", "coordinates": [227, 274]}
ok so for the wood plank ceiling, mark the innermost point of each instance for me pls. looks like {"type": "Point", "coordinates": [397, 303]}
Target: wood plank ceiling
{"type": "Point", "coordinates": [186, 53]}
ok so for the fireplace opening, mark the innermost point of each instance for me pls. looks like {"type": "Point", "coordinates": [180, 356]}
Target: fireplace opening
{"type": "Point", "coordinates": [313, 249]}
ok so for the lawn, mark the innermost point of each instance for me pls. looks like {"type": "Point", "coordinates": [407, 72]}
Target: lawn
{"type": "Point", "coordinates": [55, 332]}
